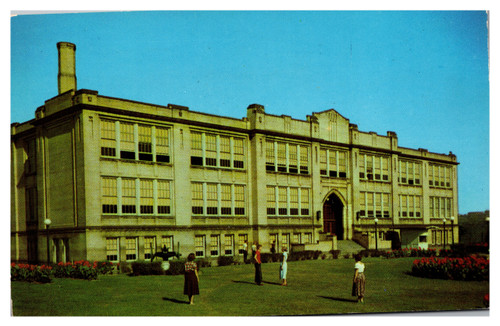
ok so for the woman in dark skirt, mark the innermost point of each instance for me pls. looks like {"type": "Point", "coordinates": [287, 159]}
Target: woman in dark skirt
{"type": "Point", "coordinates": [191, 278]}
{"type": "Point", "coordinates": [358, 282]}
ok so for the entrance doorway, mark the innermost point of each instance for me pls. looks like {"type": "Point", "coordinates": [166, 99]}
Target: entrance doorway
{"type": "Point", "coordinates": [332, 216]}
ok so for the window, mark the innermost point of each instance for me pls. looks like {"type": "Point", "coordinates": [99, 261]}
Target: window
{"type": "Point", "coordinates": [282, 201]}
{"type": "Point", "coordinates": [214, 245]}
{"type": "Point", "coordinates": [409, 172]}
{"type": "Point", "coordinates": [108, 138]}
{"type": "Point", "coordinates": [239, 200]}
{"type": "Point", "coordinates": [285, 241]}
{"type": "Point", "coordinates": [30, 164]}
{"type": "Point", "coordinates": [273, 239]}
{"type": "Point", "coordinates": [109, 195]}
{"type": "Point", "coordinates": [241, 240]}
{"type": "Point", "coordinates": [217, 150]}
{"type": "Point", "coordinates": [146, 196]}
{"type": "Point", "coordinates": [307, 237]}
{"type": "Point", "coordinates": [373, 167]}
{"type": "Point", "coordinates": [296, 238]}
{"type": "Point", "coordinates": [162, 145]}
{"type": "Point", "coordinates": [131, 249]}
{"type": "Point", "coordinates": [163, 197]}
{"type": "Point", "coordinates": [231, 199]}
{"type": "Point", "coordinates": [294, 201]}
{"type": "Point", "coordinates": [440, 207]}
{"type": "Point", "coordinates": [323, 166]}
{"type": "Point", "coordinates": [228, 245]}
{"type": "Point", "coordinates": [112, 253]}
{"type": "Point", "coordinates": [212, 202]}
{"type": "Point", "coordinates": [271, 200]}
{"type": "Point", "coordinates": [440, 176]}
{"type": "Point", "coordinates": [128, 196]}
{"type": "Point", "coordinates": [304, 199]}
{"type": "Point", "coordinates": [286, 157]}
{"type": "Point", "coordinates": [145, 145]}
{"type": "Point", "coordinates": [167, 243]}
{"type": "Point", "coordinates": [374, 204]}
{"type": "Point", "coordinates": [225, 199]}
{"type": "Point", "coordinates": [199, 243]}
{"type": "Point", "coordinates": [127, 144]}
{"type": "Point", "coordinates": [149, 247]}
{"type": "Point", "coordinates": [197, 202]}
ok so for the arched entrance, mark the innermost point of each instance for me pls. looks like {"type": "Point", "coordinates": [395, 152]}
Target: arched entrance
{"type": "Point", "coordinates": [332, 216]}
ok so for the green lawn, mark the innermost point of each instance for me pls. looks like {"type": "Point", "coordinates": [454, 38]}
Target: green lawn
{"type": "Point", "coordinates": [315, 288]}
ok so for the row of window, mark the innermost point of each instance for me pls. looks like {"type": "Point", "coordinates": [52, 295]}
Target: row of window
{"type": "Point", "coordinates": [133, 141]}
{"type": "Point", "coordinates": [218, 199]}
{"type": "Point", "coordinates": [333, 163]}
{"type": "Point", "coordinates": [287, 157]}
{"type": "Point", "coordinates": [410, 206]}
{"type": "Point", "coordinates": [214, 150]}
{"type": "Point", "coordinates": [131, 247]}
{"type": "Point", "coordinates": [131, 196]}
{"type": "Point", "coordinates": [440, 207]}
{"type": "Point", "coordinates": [374, 204]}
{"type": "Point", "coordinates": [373, 167]}
{"type": "Point", "coordinates": [440, 176]}
{"type": "Point", "coordinates": [410, 172]}
{"type": "Point", "coordinates": [288, 201]}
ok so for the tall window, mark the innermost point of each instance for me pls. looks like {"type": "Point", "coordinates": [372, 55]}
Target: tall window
{"type": "Point", "coordinates": [228, 244]}
{"type": "Point", "coordinates": [199, 244]}
{"type": "Point", "coordinates": [282, 201]}
{"type": "Point", "coordinates": [292, 158]}
{"type": "Point", "coordinates": [145, 143]}
{"type": "Point", "coordinates": [163, 197]}
{"type": "Point", "coordinates": [225, 151]}
{"type": "Point", "coordinates": [271, 200]}
{"type": "Point", "coordinates": [149, 247]}
{"type": "Point", "coordinates": [128, 196]}
{"type": "Point", "coordinates": [127, 145]}
{"type": "Point", "coordinates": [197, 201]}
{"type": "Point", "coordinates": [108, 138]}
{"type": "Point", "coordinates": [112, 253]}
{"type": "Point", "coordinates": [214, 245]}
{"type": "Point", "coordinates": [212, 202]}
{"type": "Point", "coordinates": [241, 240]}
{"type": "Point", "coordinates": [109, 195]}
{"type": "Point", "coordinates": [304, 160]}
{"type": "Point", "coordinates": [167, 242]}
{"type": "Point", "coordinates": [285, 241]}
{"type": "Point", "coordinates": [294, 201]}
{"type": "Point", "coordinates": [297, 238]}
{"type": "Point", "coordinates": [196, 148]}
{"type": "Point", "coordinates": [307, 237]}
{"type": "Point", "coordinates": [131, 248]}
{"type": "Point", "coordinates": [239, 153]}
{"type": "Point", "coordinates": [146, 196]}
{"type": "Point", "coordinates": [304, 199]}
{"type": "Point", "coordinates": [225, 190]}
{"type": "Point", "coordinates": [211, 150]}
{"type": "Point", "coordinates": [239, 200]}
{"type": "Point", "coordinates": [162, 145]}
{"type": "Point", "coordinates": [270, 156]}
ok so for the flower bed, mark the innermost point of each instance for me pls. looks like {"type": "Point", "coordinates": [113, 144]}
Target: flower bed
{"type": "Point", "coordinates": [81, 269]}
{"type": "Point", "coordinates": [466, 269]}
{"type": "Point", "coordinates": [410, 252]}
{"type": "Point", "coordinates": [30, 273]}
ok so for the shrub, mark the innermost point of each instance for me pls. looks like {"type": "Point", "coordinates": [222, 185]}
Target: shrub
{"type": "Point", "coordinates": [146, 268]}
{"type": "Point", "coordinates": [303, 255]}
{"type": "Point", "coordinates": [225, 260]}
{"type": "Point", "coordinates": [125, 267]}
{"type": "Point", "coordinates": [105, 267]}
{"type": "Point", "coordinates": [335, 254]}
{"type": "Point", "coordinates": [347, 256]}
{"type": "Point", "coordinates": [80, 269]}
{"type": "Point", "coordinates": [203, 263]}
{"type": "Point", "coordinates": [176, 268]}
{"type": "Point", "coordinates": [270, 257]}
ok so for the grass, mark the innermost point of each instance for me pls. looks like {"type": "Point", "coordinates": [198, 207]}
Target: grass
{"type": "Point", "coordinates": [320, 287]}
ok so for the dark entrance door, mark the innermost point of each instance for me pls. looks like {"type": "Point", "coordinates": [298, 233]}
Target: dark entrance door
{"type": "Point", "coordinates": [332, 216]}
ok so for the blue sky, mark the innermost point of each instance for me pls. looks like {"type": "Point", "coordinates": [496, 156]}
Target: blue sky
{"type": "Point", "coordinates": [422, 74]}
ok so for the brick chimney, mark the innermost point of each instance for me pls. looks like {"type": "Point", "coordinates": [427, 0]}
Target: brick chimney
{"type": "Point", "coordinates": [66, 78]}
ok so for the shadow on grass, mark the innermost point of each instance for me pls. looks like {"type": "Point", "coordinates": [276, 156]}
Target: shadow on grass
{"type": "Point", "coordinates": [339, 299]}
{"type": "Point", "coordinates": [273, 283]}
{"type": "Point", "coordinates": [253, 283]}
{"type": "Point", "coordinates": [175, 300]}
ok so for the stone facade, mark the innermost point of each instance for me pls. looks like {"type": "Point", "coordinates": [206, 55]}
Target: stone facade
{"type": "Point", "coordinates": [120, 179]}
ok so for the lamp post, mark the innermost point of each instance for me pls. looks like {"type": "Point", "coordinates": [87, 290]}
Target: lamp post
{"type": "Point", "coordinates": [47, 226]}
{"type": "Point", "coordinates": [444, 233]}
{"type": "Point", "coordinates": [376, 234]}
{"type": "Point", "coordinates": [452, 219]}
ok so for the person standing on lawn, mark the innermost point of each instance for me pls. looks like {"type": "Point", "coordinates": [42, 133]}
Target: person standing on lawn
{"type": "Point", "coordinates": [245, 251]}
{"type": "Point", "coordinates": [191, 278]}
{"type": "Point", "coordinates": [283, 266]}
{"type": "Point", "coordinates": [258, 263]}
{"type": "Point", "coordinates": [358, 282]}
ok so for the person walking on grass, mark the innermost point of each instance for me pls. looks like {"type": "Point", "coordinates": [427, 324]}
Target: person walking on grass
{"type": "Point", "coordinates": [258, 263]}
{"type": "Point", "coordinates": [283, 267]}
{"type": "Point", "coordinates": [358, 282]}
{"type": "Point", "coordinates": [191, 278]}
